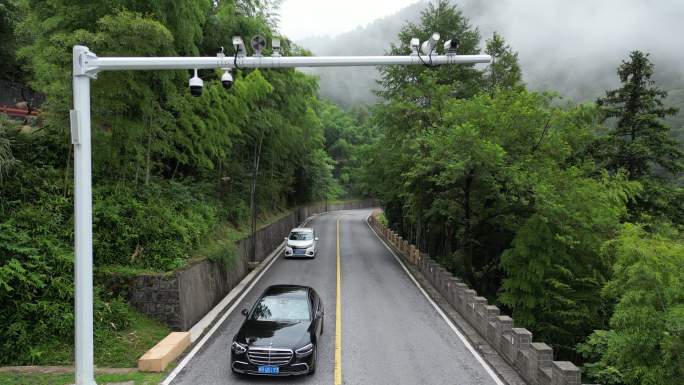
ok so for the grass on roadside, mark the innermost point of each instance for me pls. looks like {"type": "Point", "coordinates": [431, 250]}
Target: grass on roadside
{"type": "Point", "coordinates": [114, 349]}
{"type": "Point", "coordinates": [68, 378]}
{"type": "Point", "coordinates": [221, 243]}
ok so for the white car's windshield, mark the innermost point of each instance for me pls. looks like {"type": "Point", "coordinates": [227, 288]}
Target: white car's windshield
{"type": "Point", "coordinates": [301, 236]}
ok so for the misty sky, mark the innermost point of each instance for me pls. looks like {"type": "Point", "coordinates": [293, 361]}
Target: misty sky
{"type": "Point", "coordinates": [305, 18]}
{"type": "Point", "coordinates": [572, 47]}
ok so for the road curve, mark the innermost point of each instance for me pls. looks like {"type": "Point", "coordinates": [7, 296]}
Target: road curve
{"type": "Point", "coordinates": [391, 334]}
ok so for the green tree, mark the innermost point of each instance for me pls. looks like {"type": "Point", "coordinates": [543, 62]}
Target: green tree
{"type": "Point", "coordinates": [640, 141]}
{"type": "Point", "coordinates": [169, 169]}
{"type": "Point", "coordinates": [414, 83]}
{"type": "Point", "coordinates": [646, 338]}
{"type": "Point", "coordinates": [504, 72]}
{"type": "Point", "coordinates": [554, 271]}
{"type": "Point", "coordinates": [9, 15]}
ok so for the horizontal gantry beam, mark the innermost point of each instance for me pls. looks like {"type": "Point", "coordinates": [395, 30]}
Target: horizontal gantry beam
{"type": "Point", "coordinates": [94, 64]}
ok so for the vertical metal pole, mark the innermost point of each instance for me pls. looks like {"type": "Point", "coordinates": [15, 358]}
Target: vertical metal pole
{"type": "Point", "coordinates": [83, 221]}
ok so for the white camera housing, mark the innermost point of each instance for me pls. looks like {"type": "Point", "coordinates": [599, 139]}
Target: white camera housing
{"type": "Point", "coordinates": [429, 45]}
{"type": "Point", "coordinates": [275, 47]}
{"type": "Point", "coordinates": [415, 46]}
{"type": "Point", "coordinates": [451, 46]}
{"type": "Point", "coordinates": [239, 46]}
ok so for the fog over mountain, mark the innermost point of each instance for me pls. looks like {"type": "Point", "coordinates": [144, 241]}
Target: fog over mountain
{"type": "Point", "coordinates": [572, 47]}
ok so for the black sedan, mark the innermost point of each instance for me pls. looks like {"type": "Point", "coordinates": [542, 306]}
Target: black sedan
{"type": "Point", "coordinates": [280, 334]}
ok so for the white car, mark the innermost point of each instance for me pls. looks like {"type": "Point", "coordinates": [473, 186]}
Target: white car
{"type": "Point", "coordinates": [301, 243]}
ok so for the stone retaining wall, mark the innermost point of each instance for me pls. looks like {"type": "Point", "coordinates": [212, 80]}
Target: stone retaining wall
{"type": "Point", "coordinates": [181, 298]}
{"type": "Point", "coordinates": [533, 360]}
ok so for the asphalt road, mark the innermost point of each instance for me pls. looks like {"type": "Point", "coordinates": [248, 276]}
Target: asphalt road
{"type": "Point", "coordinates": [391, 334]}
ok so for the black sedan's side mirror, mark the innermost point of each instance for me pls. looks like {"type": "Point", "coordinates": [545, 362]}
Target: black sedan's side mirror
{"type": "Point", "coordinates": [319, 314]}
{"type": "Point", "coordinates": [244, 312]}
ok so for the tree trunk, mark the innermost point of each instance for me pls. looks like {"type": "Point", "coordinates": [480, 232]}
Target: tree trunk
{"type": "Point", "coordinates": [467, 233]}
{"type": "Point", "coordinates": [66, 170]}
{"type": "Point", "coordinates": [252, 199]}
{"type": "Point", "coordinates": [147, 157]}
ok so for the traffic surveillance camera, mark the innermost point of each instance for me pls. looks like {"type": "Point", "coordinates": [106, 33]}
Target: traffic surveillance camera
{"type": "Point", "coordinates": [429, 45]}
{"type": "Point", "coordinates": [415, 46]}
{"type": "Point", "coordinates": [239, 46]}
{"type": "Point", "coordinates": [275, 46]}
{"type": "Point", "coordinates": [258, 43]}
{"type": "Point", "coordinates": [451, 46]}
{"type": "Point", "coordinates": [227, 79]}
{"type": "Point", "coordinates": [196, 85]}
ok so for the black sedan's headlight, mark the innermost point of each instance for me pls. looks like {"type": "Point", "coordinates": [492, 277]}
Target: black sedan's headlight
{"type": "Point", "coordinates": [305, 350]}
{"type": "Point", "coordinates": [239, 348]}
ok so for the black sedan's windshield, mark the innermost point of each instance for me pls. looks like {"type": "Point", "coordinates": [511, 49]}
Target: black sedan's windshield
{"type": "Point", "coordinates": [301, 236]}
{"type": "Point", "coordinates": [288, 308]}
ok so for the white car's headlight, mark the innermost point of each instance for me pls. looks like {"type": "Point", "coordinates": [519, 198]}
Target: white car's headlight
{"type": "Point", "coordinates": [239, 348]}
{"type": "Point", "coordinates": [305, 350]}
{"type": "Point", "coordinates": [288, 248]}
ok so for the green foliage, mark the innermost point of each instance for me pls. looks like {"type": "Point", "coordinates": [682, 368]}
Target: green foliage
{"type": "Point", "coordinates": [554, 270]}
{"type": "Point", "coordinates": [640, 142]}
{"type": "Point", "coordinates": [462, 185]}
{"type": "Point", "coordinates": [412, 83]}
{"type": "Point", "coordinates": [512, 189]}
{"type": "Point", "coordinates": [169, 169]}
{"type": "Point", "coordinates": [504, 71]}
{"type": "Point", "coordinates": [9, 15]}
{"type": "Point", "coordinates": [647, 328]}
{"type": "Point", "coordinates": [348, 137]}
{"type": "Point", "coordinates": [7, 159]}
{"type": "Point", "coordinates": [138, 378]}
{"type": "Point", "coordinates": [155, 227]}
{"type": "Point", "coordinates": [36, 292]}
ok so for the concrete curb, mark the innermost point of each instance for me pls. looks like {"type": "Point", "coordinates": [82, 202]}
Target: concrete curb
{"type": "Point", "coordinates": [167, 350]}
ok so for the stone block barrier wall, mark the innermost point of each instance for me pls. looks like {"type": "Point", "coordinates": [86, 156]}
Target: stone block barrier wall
{"type": "Point", "coordinates": [533, 360]}
{"type": "Point", "coordinates": [181, 298]}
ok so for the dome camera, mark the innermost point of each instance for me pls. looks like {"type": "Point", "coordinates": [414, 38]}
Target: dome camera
{"type": "Point", "coordinates": [227, 79]}
{"type": "Point", "coordinates": [196, 85]}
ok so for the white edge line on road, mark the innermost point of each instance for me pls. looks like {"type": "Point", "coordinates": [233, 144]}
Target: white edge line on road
{"type": "Point", "coordinates": [451, 325]}
{"type": "Point", "coordinates": [207, 336]}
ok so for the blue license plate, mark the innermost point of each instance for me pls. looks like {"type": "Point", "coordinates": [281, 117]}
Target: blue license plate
{"type": "Point", "coordinates": [267, 369]}
{"type": "Point", "coordinates": [299, 251]}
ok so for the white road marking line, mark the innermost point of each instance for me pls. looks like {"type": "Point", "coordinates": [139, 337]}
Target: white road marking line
{"type": "Point", "coordinates": [446, 319]}
{"type": "Point", "coordinates": [207, 336]}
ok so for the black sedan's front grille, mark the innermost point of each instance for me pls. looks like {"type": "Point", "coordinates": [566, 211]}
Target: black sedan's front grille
{"type": "Point", "coordinates": [269, 356]}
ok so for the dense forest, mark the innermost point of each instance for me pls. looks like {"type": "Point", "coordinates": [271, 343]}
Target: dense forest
{"type": "Point", "coordinates": [171, 172]}
{"type": "Point", "coordinates": [569, 216]}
